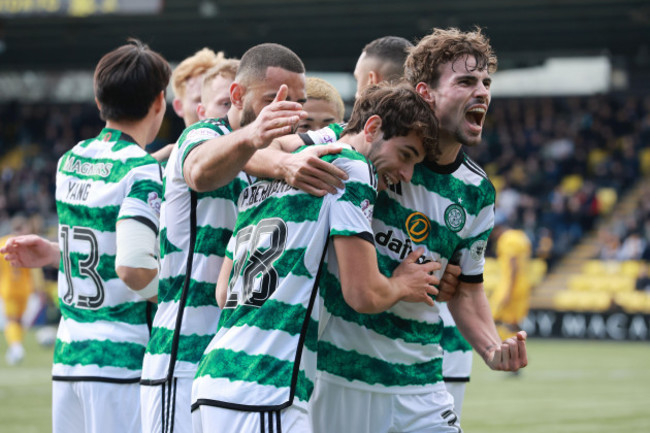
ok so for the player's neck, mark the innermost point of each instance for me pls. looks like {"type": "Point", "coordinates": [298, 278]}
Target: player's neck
{"type": "Point", "coordinates": [448, 151]}
{"type": "Point", "coordinates": [358, 142]}
{"type": "Point", "coordinates": [137, 130]}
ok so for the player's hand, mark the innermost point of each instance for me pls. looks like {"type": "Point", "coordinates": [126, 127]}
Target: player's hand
{"type": "Point", "coordinates": [306, 171]}
{"type": "Point", "coordinates": [449, 283]}
{"type": "Point", "coordinates": [510, 355]}
{"type": "Point", "coordinates": [278, 118]}
{"type": "Point", "coordinates": [30, 251]}
{"type": "Point", "coordinates": [416, 280]}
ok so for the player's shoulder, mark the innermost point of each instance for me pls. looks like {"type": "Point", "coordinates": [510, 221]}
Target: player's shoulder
{"type": "Point", "coordinates": [204, 130]}
{"type": "Point", "coordinates": [473, 174]}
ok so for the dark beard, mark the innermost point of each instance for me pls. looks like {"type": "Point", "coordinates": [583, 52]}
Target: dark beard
{"type": "Point", "coordinates": [247, 116]}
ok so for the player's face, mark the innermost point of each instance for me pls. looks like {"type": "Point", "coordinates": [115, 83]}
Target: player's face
{"type": "Point", "coordinates": [461, 100]}
{"type": "Point", "coordinates": [320, 113]}
{"type": "Point", "coordinates": [395, 158]}
{"type": "Point", "coordinates": [362, 73]}
{"type": "Point", "coordinates": [191, 99]}
{"type": "Point", "coordinates": [216, 98]}
{"type": "Point", "coordinates": [259, 95]}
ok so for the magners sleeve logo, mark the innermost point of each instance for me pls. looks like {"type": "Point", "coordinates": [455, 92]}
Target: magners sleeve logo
{"type": "Point", "coordinates": [418, 226]}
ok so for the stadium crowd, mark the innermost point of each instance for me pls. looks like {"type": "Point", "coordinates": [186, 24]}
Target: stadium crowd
{"type": "Point", "coordinates": [531, 145]}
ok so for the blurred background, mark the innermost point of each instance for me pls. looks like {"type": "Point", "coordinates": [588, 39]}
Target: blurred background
{"type": "Point", "coordinates": [566, 139]}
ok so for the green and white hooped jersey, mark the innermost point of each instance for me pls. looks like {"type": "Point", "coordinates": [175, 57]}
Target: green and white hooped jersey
{"type": "Point", "coordinates": [104, 326]}
{"type": "Point", "coordinates": [200, 223]}
{"type": "Point", "coordinates": [263, 357]}
{"type": "Point", "coordinates": [450, 212]}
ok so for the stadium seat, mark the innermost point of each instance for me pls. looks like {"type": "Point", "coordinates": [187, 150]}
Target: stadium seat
{"type": "Point", "coordinates": [594, 267]}
{"type": "Point", "coordinates": [631, 268]}
{"type": "Point", "coordinates": [633, 302]}
{"type": "Point", "coordinates": [607, 198]}
{"type": "Point", "coordinates": [578, 283]}
{"type": "Point", "coordinates": [538, 268]}
{"type": "Point", "coordinates": [567, 300]}
{"type": "Point", "coordinates": [571, 184]}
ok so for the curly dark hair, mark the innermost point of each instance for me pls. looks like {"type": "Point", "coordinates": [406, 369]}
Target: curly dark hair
{"type": "Point", "coordinates": [402, 110]}
{"type": "Point", "coordinates": [444, 46]}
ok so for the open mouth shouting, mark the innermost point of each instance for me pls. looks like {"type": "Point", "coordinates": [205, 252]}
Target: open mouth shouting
{"type": "Point", "coordinates": [475, 117]}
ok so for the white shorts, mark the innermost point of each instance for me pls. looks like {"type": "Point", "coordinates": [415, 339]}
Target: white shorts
{"type": "Point", "coordinates": [95, 407]}
{"type": "Point", "coordinates": [457, 391]}
{"type": "Point", "coordinates": [341, 409]}
{"type": "Point", "coordinates": [166, 408]}
{"type": "Point", "coordinates": [209, 419]}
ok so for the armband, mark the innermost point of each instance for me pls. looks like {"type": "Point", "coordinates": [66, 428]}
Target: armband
{"type": "Point", "coordinates": [136, 245]}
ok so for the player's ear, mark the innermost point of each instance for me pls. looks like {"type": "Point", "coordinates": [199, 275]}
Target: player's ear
{"type": "Point", "coordinates": [99, 106]}
{"type": "Point", "coordinates": [177, 105]}
{"type": "Point", "coordinates": [200, 111]}
{"type": "Point", "coordinates": [159, 102]}
{"type": "Point", "coordinates": [373, 78]}
{"type": "Point", "coordinates": [372, 129]}
{"type": "Point", "coordinates": [237, 92]}
{"type": "Point", "coordinates": [425, 91]}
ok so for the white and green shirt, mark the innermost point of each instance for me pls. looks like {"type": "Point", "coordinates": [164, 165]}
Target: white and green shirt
{"type": "Point", "coordinates": [195, 229]}
{"type": "Point", "coordinates": [264, 354]}
{"type": "Point", "coordinates": [450, 212]}
{"type": "Point", "coordinates": [104, 326]}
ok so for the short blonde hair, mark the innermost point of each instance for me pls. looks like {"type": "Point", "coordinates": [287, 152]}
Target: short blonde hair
{"type": "Point", "coordinates": [317, 88]}
{"type": "Point", "coordinates": [193, 66]}
{"type": "Point", "coordinates": [227, 68]}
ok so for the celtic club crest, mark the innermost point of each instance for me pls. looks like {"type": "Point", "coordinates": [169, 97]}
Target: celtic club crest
{"type": "Point", "coordinates": [455, 217]}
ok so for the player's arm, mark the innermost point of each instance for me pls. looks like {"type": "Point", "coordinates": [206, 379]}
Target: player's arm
{"type": "Point", "coordinates": [471, 312]}
{"type": "Point", "coordinates": [304, 170]}
{"type": "Point", "coordinates": [31, 251]}
{"type": "Point", "coordinates": [136, 262]}
{"type": "Point", "coordinates": [367, 290]}
{"type": "Point", "coordinates": [162, 155]}
{"type": "Point", "coordinates": [448, 283]}
{"type": "Point", "coordinates": [217, 161]}
{"type": "Point", "coordinates": [221, 292]}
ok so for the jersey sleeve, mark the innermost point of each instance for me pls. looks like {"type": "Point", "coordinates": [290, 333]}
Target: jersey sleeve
{"type": "Point", "coordinates": [143, 195]}
{"type": "Point", "coordinates": [197, 134]}
{"type": "Point", "coordinates": [329, 134]}
{"type": "Point", "coordinates": [352, 207]}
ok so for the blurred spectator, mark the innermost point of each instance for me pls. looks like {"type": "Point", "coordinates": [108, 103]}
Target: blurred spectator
{"type": "Point", "coordinates": [632, 248]}
{"type": "Point", "coordinates": [531, 146]}
{"type": "Point", "coordinates": [32, 138]}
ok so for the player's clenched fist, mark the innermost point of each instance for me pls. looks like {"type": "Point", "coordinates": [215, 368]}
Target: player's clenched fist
{"type": "Point", "coordinates": [510, 355]}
